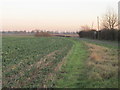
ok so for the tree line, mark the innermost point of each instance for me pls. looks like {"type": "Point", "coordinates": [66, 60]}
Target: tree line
{"type": "Point", "coordinates": [108, 31]}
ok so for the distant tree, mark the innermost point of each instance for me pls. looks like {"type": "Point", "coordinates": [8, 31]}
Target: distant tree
{"type": "Point", "coordinates": [85, 28]}
{"type": "Point", "coordinates": [109, 20]}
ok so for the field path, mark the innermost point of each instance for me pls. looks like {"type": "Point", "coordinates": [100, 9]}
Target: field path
{"type": "Point", "coordinates": [89, 65]}
{"type": "Point", "coordinates": [69, 74]}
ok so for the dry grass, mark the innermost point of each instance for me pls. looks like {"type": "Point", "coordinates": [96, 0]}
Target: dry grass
{"type": "Point", "coordinates": [95, 56]}
{"type": "Point", "coordinates": [95, 76]}
{"type": "Point", "coordinates": [102, 62]}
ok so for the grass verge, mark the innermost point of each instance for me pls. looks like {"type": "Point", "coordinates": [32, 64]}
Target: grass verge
{"type": "Point", "coordinates": [101, 68]}
{"type": "Point", "coordinates": [105, 43]}
{"type": "Point", "coordinates": [89, 66]}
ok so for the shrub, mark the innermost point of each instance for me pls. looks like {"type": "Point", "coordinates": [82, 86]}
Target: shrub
{"type": "Point", "coordinates": [104, 34]}
{"type": "Point", "coordinates": [42, 34]}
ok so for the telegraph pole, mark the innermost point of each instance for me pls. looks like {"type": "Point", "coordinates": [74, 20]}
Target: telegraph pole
{"type": "Point", "coordinates": [92, 25]}
{"type": "Point", "coordinates": [119, 15]}
{"type": "Point", "coordinates": [98, 26]}
{"type": "Point", "coordinates": [98, 22]}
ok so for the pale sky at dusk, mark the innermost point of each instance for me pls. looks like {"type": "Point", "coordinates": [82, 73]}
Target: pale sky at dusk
{"type": "Point", "coordinates": [56, 15]}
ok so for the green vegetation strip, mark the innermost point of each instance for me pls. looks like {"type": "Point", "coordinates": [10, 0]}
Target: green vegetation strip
{"type": "Point", "coordinates": [70, 72]}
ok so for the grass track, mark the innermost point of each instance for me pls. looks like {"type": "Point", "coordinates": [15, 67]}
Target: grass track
{"type": "Point", "coordinates": [76, 73]}
{"type": "Point", "coordinates": [69, 74]}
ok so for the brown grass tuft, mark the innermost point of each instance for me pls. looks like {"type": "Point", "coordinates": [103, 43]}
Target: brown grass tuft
{"type": "Point", "coordinates": [95, 56]}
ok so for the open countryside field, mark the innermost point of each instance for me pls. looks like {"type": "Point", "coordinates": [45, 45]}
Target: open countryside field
{"type": "Point", "coordinates": [41, 62]}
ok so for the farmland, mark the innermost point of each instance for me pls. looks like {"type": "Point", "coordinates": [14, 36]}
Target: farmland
{"type": "Point", "coordinates": [27, 61]}
{"type": "Point", "coordinates": [30, 62]}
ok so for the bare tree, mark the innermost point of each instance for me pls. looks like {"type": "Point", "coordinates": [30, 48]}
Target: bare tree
{"type": "Point", "coordinates": [85, 28]}
{"type": "Point", "coordinates": [110, 20]}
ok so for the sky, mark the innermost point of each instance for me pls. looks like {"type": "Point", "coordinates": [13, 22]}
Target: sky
{"type": "Point", "coordinates": [52, 15]}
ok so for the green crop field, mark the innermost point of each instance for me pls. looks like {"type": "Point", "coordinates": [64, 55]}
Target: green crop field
{"type": "Point", "coordinates": [27, 61]}
{"type": "Point", "coordinates": [57, 62]}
